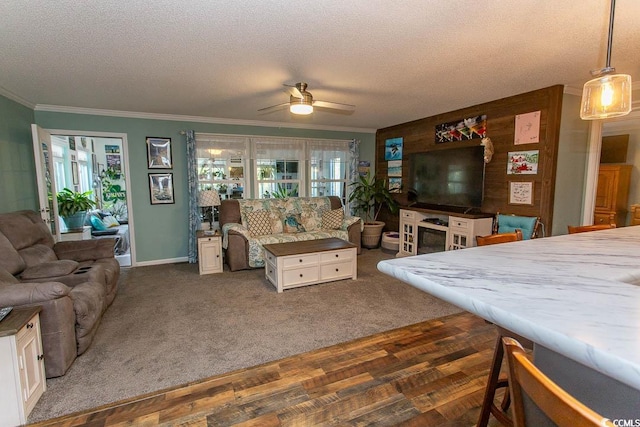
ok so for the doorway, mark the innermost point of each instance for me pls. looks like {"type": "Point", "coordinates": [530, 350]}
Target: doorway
{"type": "Point", "coordinates": [630, 125]}
{"type": "Point", "coordinates": [95, 163]}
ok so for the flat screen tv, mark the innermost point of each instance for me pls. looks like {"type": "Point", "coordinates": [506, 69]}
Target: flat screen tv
{"type": "Point", "coordinates": [447, 178]}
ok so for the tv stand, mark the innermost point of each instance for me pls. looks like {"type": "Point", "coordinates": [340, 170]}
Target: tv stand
{"type": "Point", "coordinates": [426, 231]}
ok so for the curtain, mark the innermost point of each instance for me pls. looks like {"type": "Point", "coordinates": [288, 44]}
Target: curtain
{"type": "Point", "coordinates": [192, 179]}
{"type": "Point", "coordinates": [354, 160]}
{"type": "Point", "coordinates": [277, 149]}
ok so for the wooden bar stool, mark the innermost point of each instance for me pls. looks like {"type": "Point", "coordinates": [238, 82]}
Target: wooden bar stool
{"type": "Point", "coordinates": [555, 404]}
{"type": "Point", "coordinates": [496, 382]}
{"type": "Point", "coordinates": [585, 228]}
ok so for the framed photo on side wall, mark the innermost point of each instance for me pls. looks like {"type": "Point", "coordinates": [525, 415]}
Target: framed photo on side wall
{"type": "Point", "coordinates": [159, 153]}
{"type": "Point", "coordinates": [161, 188]}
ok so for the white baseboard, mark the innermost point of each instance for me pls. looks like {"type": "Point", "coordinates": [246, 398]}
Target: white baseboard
{"type": "Point", "coordinates": [162, 261]}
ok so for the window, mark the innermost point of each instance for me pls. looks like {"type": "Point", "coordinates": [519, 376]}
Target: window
{"type": "Point", "coordinates": [276, 167]}
{"type": "Point", "coordinates": [329, 162]}
{"type": "Point", "coordinates": [222, 164]}
{"type": "Point", "coordinates": [58, 152]}
{"type": "Point", "coordinates": [279, 166]}
{"type": "Point", "coordinates": [83, 171]}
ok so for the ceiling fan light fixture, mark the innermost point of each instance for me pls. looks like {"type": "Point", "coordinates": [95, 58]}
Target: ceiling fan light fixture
{"type": "Point", "coordinates": [608, 95]}
{"type": "Point", "coordinates": [301, 106]}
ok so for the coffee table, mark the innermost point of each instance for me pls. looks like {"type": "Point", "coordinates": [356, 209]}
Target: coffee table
{"type": "Point", "coordinates": [309, 262]}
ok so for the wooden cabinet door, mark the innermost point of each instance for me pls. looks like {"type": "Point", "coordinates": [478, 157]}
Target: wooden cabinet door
{"type": "Point", "coordinates": [607, 183]}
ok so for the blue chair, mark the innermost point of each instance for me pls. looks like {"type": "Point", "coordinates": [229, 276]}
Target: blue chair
{"type": "Point", "coordinates": [510, 223]}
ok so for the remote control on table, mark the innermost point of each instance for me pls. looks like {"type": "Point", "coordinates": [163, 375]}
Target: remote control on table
{"type": "Point", "coordinates": [4, 312]}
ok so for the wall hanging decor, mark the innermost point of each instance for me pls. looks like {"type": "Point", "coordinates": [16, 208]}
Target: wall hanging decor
{"type": "Point", "coordinates": [393, 149]}
{"type": "Point", "coordinates": [461, 130]}
{"type": "Point", "coordinates": [527, 128]}
{"type": "Point", "coordinates": [523, 162]}
{"type": "Point", "coordinates": [394, 168]}
{"type": "Point", "coordinates": [395, 185]}
{"type": "Point", "coordinates": [161, 188]}
{"type": "Point", "coordinates": [520, 193]}
{"type": "Point", "coordinates": [159, 153]}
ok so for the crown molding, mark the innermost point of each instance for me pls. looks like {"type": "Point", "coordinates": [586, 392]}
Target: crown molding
{"type": "Point", "coordinates": [572, 90]}
{"type": "Point", "coordinates": [198, 119]}
{"type": "Point", "coordinates": [14, 97]}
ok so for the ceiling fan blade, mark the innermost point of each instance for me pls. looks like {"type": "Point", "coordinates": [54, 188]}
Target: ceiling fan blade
{"type": "Point", "coordinates": [274, 107]}
{"type": "Point", "coordinates": [293, 91]}
{"type": "Point", "coordinates": [334, 105]}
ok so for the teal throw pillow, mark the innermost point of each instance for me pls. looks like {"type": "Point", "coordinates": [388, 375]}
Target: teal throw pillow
{"type": "Point", "coordinates": [293, 224]}
{"type": "Point", "coordinates": [97, 223]}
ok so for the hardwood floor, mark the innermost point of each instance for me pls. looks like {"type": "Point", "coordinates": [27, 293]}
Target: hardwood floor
{"type": "Point", "coordinates": [429, 374]}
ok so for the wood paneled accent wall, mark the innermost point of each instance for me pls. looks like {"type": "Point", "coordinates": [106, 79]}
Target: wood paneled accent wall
{"type": "Point", "coordinates": [419, 136]}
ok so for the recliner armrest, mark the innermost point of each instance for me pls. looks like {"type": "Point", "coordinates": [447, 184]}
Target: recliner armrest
{"type": "Point", "coordinates": [85, 250]}
{"type": "Point", "coordinates": [30, 293]}
{"type": "Point", "coordinates": [233, 228]}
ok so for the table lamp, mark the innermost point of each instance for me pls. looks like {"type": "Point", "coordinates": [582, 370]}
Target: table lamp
{"type": "Point", "coordinates": [209, 199]}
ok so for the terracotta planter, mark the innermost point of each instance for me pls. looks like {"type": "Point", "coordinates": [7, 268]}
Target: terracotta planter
{"type": "Point", "coordinates": [371, 234]}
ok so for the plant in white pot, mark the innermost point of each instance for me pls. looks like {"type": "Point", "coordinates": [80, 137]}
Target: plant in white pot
{"type": "Point", "coordinates": [73, 207]}
{"type": "Point", "coordinates": [369, 194]}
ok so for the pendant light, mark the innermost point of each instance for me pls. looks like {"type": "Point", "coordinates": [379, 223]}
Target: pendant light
{"type": "Point", "coordinates": [609, 94]}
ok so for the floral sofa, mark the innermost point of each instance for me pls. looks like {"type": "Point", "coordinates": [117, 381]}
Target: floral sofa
{"type": "Point", "coordinates": [247, 224]}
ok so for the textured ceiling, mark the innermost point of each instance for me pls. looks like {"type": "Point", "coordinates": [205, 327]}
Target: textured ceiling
{"type": "Point", "coordinates": [396, 61]}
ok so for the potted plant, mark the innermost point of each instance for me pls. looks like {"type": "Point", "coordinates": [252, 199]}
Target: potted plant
{"type": "Point", "coordinates": [369, 194]}
{"type": "Point", "coordinates": [73, 207]}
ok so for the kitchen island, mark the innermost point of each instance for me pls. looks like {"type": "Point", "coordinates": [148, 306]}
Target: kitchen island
{"type": "Point", "coordinates": [577, 297]}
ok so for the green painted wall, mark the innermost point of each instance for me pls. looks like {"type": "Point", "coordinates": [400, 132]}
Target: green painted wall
{"type": "Point", "coordinates": [570, 173]}
{"type": "Point", "coordinates": [161, 230]}
{"type": "Point", "coordinates": [17, 170]}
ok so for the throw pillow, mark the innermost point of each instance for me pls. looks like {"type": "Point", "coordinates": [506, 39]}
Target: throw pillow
{"type": "Point", "coordinates": [332, 220]}
{"type": "Point", "coordinates": [293, 224]}
{"type": "Point", "coordinates": [258, 223]}
{"type": "Point", "coordinates": [110, 221]}
{"type": "Point", "coordinates": [97, 224]}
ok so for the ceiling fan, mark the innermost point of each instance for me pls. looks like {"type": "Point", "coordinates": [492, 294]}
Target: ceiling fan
{"type": "Point", "coordinates": [302, 102]}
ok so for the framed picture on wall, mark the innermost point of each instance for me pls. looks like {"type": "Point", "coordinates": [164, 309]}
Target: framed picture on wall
{"type": "Point", "coordinates": [159, 153]}
{"type": "Point", "coordinates": [161, 188]}
{"type": "Point", "coordinates": [521, 193]}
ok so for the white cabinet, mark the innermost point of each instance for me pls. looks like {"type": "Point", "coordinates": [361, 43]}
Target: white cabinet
{"type": "Point", "coordinates": [408, 232]}
{"type": "Point", "coordinates": [22, 377]}
{"type": "Point", "coordinates": [422, 232]}
{"type": "Point", "coordinates": [85, 234]}
{"type": "Point", "coordinates": [209, 253]}
{"type": "Point", "coordinates": [463, 231]}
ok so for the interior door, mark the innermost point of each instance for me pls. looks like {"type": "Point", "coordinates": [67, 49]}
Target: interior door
{"type": "Point", "coordinates": [45, 177]}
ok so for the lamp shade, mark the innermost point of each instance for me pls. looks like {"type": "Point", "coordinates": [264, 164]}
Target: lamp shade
{"type": "Point", "coordinates": [209, 198]}
{"type": "Point", "coordinates": [606, 96]}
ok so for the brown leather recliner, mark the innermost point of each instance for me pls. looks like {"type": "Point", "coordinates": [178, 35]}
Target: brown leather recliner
{"type": "Point", "coordinates": [73, 281]}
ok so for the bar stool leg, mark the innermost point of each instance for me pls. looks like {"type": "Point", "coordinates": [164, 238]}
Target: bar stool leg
{"type": "Point", "coordinates": [494, 382]}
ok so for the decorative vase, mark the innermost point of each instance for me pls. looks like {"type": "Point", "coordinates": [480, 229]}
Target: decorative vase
{"type": "Point", "coordinates": [75, 222]}
{"type": "Point", "coordinates": [371, 234]}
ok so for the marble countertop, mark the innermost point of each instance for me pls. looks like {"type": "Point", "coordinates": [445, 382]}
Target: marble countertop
{"type": "Point", "coordinates": [578, 295]}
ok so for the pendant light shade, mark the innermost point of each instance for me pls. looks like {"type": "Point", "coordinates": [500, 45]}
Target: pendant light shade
{"type": "Point", "coordinates": [606, 97]}
{"type": "Point", "coordinates": [609, 94]}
